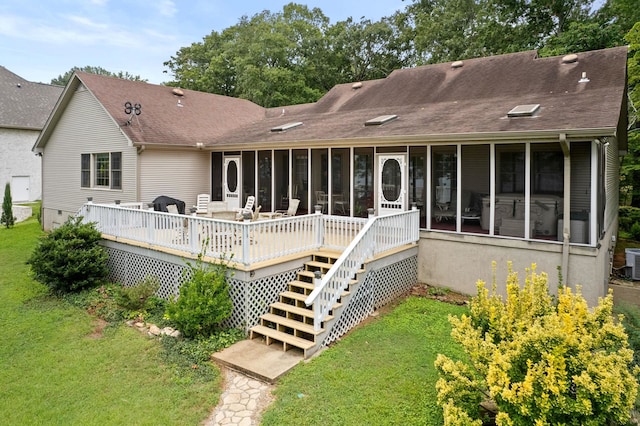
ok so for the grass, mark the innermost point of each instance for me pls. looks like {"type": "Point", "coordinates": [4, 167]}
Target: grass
{"type": "Point", "coordinates": [55, 372]}
{"type": "Point", "coordinates": [382, 373]}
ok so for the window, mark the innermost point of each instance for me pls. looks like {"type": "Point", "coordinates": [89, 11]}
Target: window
{"type": "Point", "coordinates": [548, 172]}
{"type": "Point", "coordinates": [116, 170]}
{"type": "Point", "coordinates": [85, 171]}
{"type": "Point", "coordinates": [107, 170]}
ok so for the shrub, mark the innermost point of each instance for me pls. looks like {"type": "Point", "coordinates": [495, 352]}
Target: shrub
{"type": "Point", "coordinates": [135, 298]}
{"type": "Point", "coordinates": [70, 258]}
{"type": "Point", "coordinates": [7, 208]}
{"type": "Point", "coordinates": [536, 359]}
{"type": "Point", "coordinates": [627, 217]}
{"type": "Point", "coordinates": [204, 300]}
{"type": "Point", "coordinates": [634, 232]}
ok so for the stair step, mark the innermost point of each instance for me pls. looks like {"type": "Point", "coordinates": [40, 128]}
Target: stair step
{"type": "Point", "coordinates": [293, 295]}
{"type": "Point", "coordinates": [306, 328]}
{"type": "Point", "coordinates": [303, 312]}
{"type": "Point", "coordinates": [305, 286]}
{"type": "Point", "coordinates": [319, 265]}
{"type": "Point", "coordinates": [286, 339]}
{"type": "Point", "coordinates": [307, 274]}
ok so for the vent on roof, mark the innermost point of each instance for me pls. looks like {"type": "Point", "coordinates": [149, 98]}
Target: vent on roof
{"type": "Point", "coordinates": [286, 126]}
{"type": "Point", "coordinates": [457, 64]}
{"type": "Point", "coordinates": [356, 85]}
{"type": "Point", "coordinates": [569, 59]}
{"type": "Point", "coordinates": [380, 120]}
{"type": "Point", "coordinates": [523, 110]}
{"type": "Point", "coordinates": [178, 92]}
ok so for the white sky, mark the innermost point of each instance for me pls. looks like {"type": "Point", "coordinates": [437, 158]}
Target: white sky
{"type": "Point", "coordinates": [40, 40]}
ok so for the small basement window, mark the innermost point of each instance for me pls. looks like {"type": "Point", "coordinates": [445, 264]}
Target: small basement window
{"type": "Point", "coordinates": [380, 120]}
{"type": "Point", "coordinates": [524, 110]}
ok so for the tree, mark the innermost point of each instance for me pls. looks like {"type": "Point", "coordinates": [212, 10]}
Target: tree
{"type": "Point", "coordinates": [630, 168]}
{"type": "Point", "coordinates": [63, 79]}
{"type": "Point", "coordinates": [7, 207]}
{"type": "Point", "coordinates": [290, 57]}
{"type": "Point", "coordinates": [448, 30]}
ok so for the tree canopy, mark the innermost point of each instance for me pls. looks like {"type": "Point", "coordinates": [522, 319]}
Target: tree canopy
{"type": "Point", "coordinates": [63, 79]}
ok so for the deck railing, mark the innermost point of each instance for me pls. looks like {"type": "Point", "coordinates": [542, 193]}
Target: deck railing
{"type": "Point", "coordinates": [380, 234]}
{"type": "Point", "coordinates": [251, 242]}
{"type": "Point", "coordinates": [243, 242]}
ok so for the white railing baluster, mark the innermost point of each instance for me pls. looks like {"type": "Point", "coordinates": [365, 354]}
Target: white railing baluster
{"type": "Point", "coordinates": [259, 241]}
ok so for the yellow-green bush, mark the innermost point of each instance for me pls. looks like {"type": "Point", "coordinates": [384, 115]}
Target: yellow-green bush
{"type": "Point", "coordinates": [537, 359]}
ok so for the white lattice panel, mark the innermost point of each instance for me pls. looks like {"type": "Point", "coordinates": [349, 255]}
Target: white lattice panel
{"type": "Point", "coordinates": [250, 298]}
{"type": "Point", "coordinates": [378, 288]}
{"type": "Point", "coordinates": [394, 280]}
{"type": "Point", "coordinates": [129, 269]}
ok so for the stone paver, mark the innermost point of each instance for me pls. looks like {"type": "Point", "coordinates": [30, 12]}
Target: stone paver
{"type": "Point", "coordinates": [242, 401]}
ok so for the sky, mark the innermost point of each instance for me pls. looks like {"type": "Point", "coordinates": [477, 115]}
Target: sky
{"type": "Point", "coordinates": [41, 40]}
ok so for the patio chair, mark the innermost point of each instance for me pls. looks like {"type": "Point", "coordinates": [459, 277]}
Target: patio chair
{"type": "Point", "coordinates": [292, 210]}
{"type": "Point", "coordinates": [248, 207]}
{"type": "Point", "coordinates": [201, 203]}
{"type": "Point", "coordinates": [322, 200]}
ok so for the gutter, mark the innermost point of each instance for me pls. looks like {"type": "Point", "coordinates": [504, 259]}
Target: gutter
{"type": "Point", "coordinates": [566, 206]}
{"type": "Point", "coordinates": [550, 135]}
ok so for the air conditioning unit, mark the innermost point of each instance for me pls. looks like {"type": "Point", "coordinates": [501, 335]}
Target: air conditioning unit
{"type": "Point", "coordinates": [633, 262]}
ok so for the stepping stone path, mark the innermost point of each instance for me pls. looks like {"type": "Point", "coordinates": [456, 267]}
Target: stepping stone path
{"type": "Point", "coordinates": [242, 401]}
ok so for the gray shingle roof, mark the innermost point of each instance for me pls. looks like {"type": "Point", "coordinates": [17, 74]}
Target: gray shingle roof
{"type": "Point", "coordinates": [200, 118]}
{"type": "Point", "coordinates": [23, 104]}
{"type": "Point", "coordinates": [432, 102]}
{"type": "Point", "coordinates": [435, 100]}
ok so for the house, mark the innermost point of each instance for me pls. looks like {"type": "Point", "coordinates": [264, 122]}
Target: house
{"type": "Point", "coordinates": [24, 109]}
{"type": "Point", "coordinates": [507, 158]}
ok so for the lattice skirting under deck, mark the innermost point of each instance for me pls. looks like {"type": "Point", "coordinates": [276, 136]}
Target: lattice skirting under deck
{"type": "Point", "coordinates": [379, 287]}
{"type": "Point", "coordinates": [250, 298]}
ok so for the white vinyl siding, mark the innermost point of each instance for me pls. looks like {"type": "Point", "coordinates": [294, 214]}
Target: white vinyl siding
{"type": "Point", "coordinates": [84, 128]}
{"type": "Point", "coordinates": [177, 174]}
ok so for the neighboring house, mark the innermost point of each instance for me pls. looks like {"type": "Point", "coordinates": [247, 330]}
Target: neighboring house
{"type": "Point", "coordinates": [495, 152]}
{"type": "Point", "coordinates": [24, 109]}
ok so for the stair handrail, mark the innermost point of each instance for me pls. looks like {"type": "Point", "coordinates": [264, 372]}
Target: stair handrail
{"type": "Point", "coordinates": [341, 272]}
{"type": "Point", "coordinates": [364, 246]}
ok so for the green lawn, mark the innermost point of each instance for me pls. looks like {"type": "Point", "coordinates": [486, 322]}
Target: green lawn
{"type": "Point", "coordinates": [54, 372]}
{"type": "Point", "coordinates": [381, 374]}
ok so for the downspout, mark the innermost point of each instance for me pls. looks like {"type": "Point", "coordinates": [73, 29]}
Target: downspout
{"type": "Point", "coordinates": [566, 207]}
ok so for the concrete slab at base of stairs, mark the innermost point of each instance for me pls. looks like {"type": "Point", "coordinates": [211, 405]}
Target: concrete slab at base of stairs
{"type": "Point", "coordinates": [255, 359]}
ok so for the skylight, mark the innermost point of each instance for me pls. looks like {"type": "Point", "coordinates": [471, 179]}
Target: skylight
{"type": "Point", "coordinates": [286, 126]}
{"type": "Point", "coordinates": [524, 110]}
{"type": "Point", "coordinates": [380, 120]}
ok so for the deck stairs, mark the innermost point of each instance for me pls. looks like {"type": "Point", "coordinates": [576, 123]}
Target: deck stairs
{"type": "Point", "coordinates": [289, 322]}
